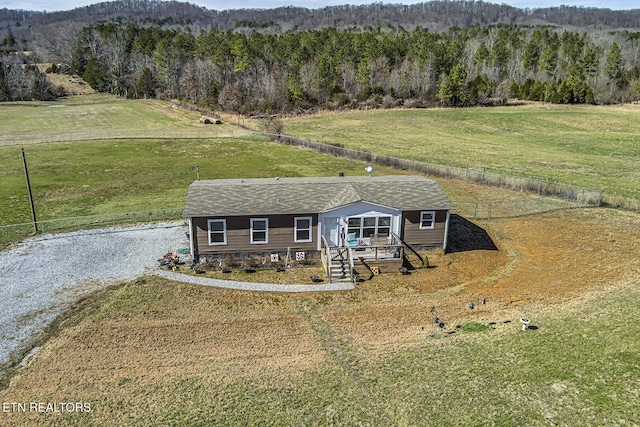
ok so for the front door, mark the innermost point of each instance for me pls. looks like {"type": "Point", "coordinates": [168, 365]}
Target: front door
{"type": "Point", "coordinates": [332, 230]}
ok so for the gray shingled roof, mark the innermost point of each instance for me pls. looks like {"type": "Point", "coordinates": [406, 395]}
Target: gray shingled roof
{"type": "Point", "coordinates": [263, 196]}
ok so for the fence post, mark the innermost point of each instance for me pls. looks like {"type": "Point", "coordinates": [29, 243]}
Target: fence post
{"type": "Point", "coordinates": [489, 210]}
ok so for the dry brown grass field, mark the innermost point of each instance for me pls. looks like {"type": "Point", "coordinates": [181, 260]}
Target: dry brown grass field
{"type": "Point", "coordinates": [156, 352]}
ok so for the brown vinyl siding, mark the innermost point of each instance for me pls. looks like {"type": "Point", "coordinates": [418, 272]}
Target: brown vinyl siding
{"type": "Point", "coordinates": [280, 235]}
{"type": "Point", "coordinates": [413, 235]}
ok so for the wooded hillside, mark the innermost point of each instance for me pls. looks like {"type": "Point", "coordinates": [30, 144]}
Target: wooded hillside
{"type": "Point", "coordinates": [453, 53]}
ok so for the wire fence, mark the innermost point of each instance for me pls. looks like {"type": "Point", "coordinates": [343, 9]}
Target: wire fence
{"type": "Point", "coordinates": [16, 232]}
{"type": "Point", "coordinates": [580, 195]}
{"type": "Point", "coordinates": [616, 200]}
{"type": "Point", "coordinates": [476, 210]}
{"type": "Point", "coordinates": [107, 134]}
{"type": "Point", "coordinates": [550, 195]}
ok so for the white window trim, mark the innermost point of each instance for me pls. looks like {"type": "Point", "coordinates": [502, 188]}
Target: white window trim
{"type": "Point", "coordinates": [376, 227]}
{"type": "Point", "coordinates": [266, 231]}
{"type": "Point", "coordinates": [433, 220]}
{"type": "Point", "coordinates": [224, 231]}
{"type": "Point", "coordinates": [295, 229]}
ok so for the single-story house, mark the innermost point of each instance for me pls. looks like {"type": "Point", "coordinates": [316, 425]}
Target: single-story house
{"type": "Point", "coordinates": [302, 215]}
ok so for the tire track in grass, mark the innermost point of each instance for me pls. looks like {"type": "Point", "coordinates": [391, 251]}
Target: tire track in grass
{"type": "Point", "coordinates": [341, 354]}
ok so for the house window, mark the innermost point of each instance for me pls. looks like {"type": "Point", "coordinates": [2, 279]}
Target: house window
{"type": "Point", "coordinates": [354, 227]}
{"type": "Point", "coordinates": [217, 231]}
{"type": "Point", "coordinates": [384, 225]}
{"type": "Point", "coordinates": [368, 225]}
{"type": "Point", "coordinates": [427, 220]}
{"type": "Point", "coordinates": [259, 230]}
{"type": "Point", "coordinates": [302, 229]}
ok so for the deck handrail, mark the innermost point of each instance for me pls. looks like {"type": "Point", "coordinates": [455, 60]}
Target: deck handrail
{"type": "Point", "coordinates": [406, 245]}
{"type": "Point", "coordinates": [351, 265]}
{"type": "Point", "coordinates": [325, 255]}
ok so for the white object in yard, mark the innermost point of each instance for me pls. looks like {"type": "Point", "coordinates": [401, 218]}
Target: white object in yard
{"type": "Point", "coordinates": [525, 323]}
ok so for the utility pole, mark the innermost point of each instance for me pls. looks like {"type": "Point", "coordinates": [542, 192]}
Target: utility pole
{"type": "Point", "coordinates": [26, 174]}
{"type": "Point", "coordinates": [197, 170]}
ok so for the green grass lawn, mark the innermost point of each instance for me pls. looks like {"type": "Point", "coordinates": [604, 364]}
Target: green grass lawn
{"type": "Point", "coordinates": [595, 147]}
{"type": "Point", "coordinates": [588, 146]}
{"type": "Point", "coordinates": [125, 175]}
{"type": "Point", "coordinates": [82, 118]}
{"type": "Point", "coordinates": [90, 113]}
{"type": "Point", "coordinates": [95, 176]}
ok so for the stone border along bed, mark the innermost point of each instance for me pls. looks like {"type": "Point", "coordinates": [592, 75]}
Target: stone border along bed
{"type": "Point", "coordinates": [250, 286]}
{"type": "Point", "coordinates": [41, 277]}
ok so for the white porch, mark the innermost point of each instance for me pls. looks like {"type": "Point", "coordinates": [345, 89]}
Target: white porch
{"type": "Point", "coordinates": [359, 224]}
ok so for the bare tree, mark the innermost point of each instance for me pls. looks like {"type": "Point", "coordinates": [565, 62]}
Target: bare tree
{"type": "Point", "coordinates": [116, 58]}
{"type": "Point", "coordinates": [57, 42]}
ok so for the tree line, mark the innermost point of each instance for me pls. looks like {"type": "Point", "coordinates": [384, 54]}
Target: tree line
{"type": "Point", "coordinates": [258, 71]}
{"type": "Point", "coordinates": [446, 52]}
{"type": "Point", "coordinates": [19, 82]}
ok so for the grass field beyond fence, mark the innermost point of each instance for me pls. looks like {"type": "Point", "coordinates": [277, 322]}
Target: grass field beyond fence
{"type": "Point", "coordinates": [581, 195]}
{"type": "Point", "coordinates": [76, 179]}
{"type": "Point", "coordinates": [585, 146]}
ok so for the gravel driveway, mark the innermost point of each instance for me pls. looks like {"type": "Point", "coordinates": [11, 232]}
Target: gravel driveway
{"type": "Point", "coordinates": [42, 276]}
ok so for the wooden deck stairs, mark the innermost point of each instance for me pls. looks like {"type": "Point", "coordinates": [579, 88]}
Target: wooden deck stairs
{"type": "Point", "coordinates": [340, 269]}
